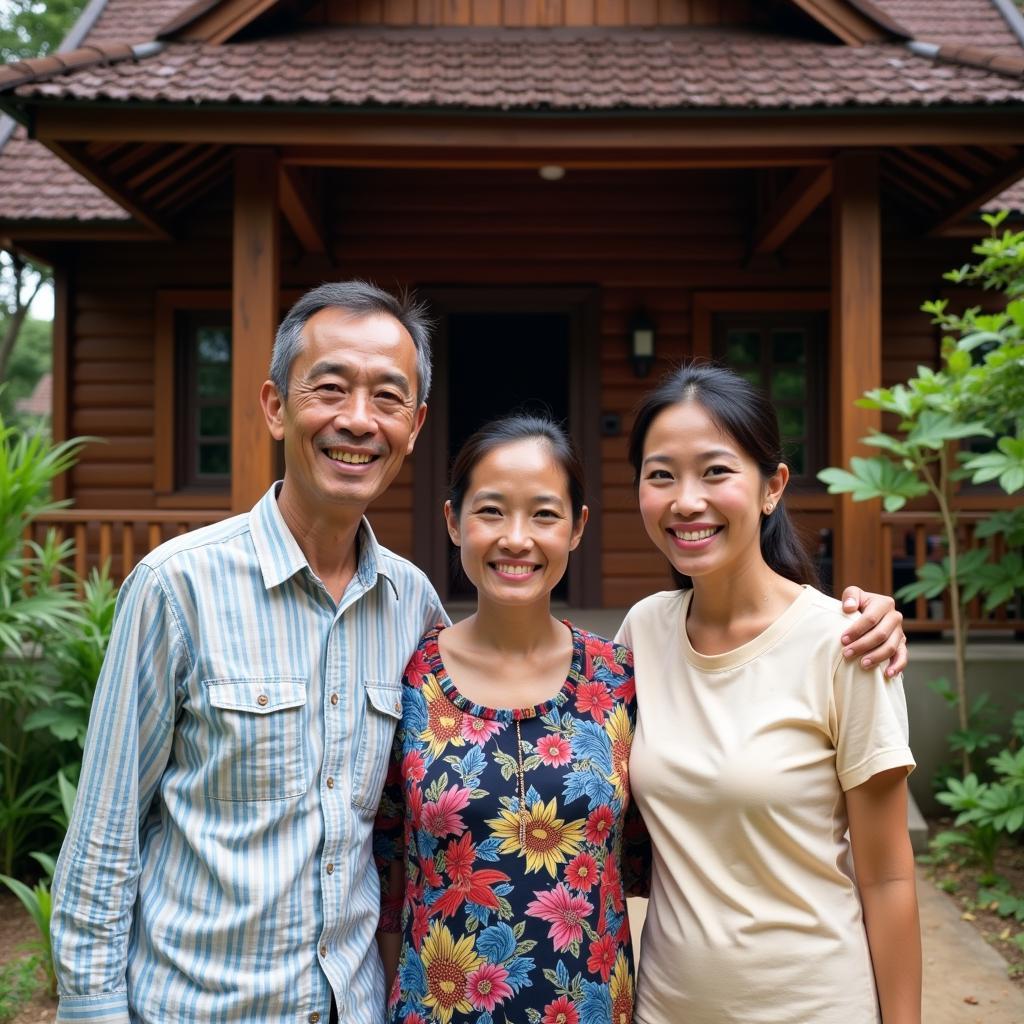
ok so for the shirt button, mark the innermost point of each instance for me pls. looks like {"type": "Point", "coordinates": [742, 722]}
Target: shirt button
{"type": "Point", "coordinates": [334, 698]}
{"type": "Point", "coordinates": [323, 951]}
{"type": "Point", "coordinates": [263, 700]}
{"type": "Point", "coordinates": [398, 705]}
{"type": "Point", "coordinates": [330, 782]}
{"type": "Point", "coordinates": [314, 1018]}
{"type": "Point", "coordinates": [330, 869]}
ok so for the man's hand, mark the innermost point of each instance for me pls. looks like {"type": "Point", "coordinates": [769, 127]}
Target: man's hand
{"type": "Point", "coordinates": [877, 636]}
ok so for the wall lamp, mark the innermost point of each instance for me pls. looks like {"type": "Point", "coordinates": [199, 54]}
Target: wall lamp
{"type": "Point", "coordinates": [641, 343]}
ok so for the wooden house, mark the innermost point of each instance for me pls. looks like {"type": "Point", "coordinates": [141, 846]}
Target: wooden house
{"type": "Point", "coordinates": [585, 190]}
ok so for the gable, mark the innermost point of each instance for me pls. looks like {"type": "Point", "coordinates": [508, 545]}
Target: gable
{"type": "Point", "coordinates": [847, 21]}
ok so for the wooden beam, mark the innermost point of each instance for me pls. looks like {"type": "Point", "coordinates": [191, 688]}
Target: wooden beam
{"type": "Point", "coordinates": [939, 166]}
{"type": "Point", "coordinates": [504, 137]}
{"type": "Point", "coordinates": [798, 200]}
{"type": "Point", "coordinates": [65, 231]}
{"type": "Point", "coordinates": [855, 359]}
{"type": "Point", "coordinates": [255, 281]}
{"type": "Point", "coordinates": [988, 188]}
{"type": "Point", "coordinates": [94, 172]}
{"type": "Point", "coordinates": [219, 22]}
{"type": "Point", "coordinates": [844, 21]}
{"type": "Point", "coordinates": [303, 208]}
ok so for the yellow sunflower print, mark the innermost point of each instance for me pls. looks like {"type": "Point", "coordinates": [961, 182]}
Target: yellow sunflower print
{"type": "Point", "coordinates": [444, 719]}
{"type": "Point", "coordinates": [620, 732]}
{"type": "Point", "coordinates": [550, 841]}
{"type": "Point", "coordinates": [447, 964]}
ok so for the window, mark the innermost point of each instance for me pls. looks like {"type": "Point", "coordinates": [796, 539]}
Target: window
{"type": "Point", "coordinates": [192, 399]}
{"type": "Point", "coordinates": [203, 400]}
{"type": "Point", "coordinates": [785, 355]}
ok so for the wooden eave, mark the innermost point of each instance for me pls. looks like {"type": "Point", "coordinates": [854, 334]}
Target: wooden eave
{"type": "Point", "coordinates": [156, 161]}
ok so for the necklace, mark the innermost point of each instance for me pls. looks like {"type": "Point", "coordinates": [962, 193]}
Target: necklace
{"type": "Point", "coordinates": [521, 779]}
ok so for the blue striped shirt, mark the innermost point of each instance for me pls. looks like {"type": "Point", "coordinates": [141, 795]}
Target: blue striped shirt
{"type": "Point", "coordinates": [218, 863]}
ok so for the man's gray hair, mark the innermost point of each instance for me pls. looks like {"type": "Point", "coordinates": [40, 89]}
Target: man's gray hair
{"type": "Point", "coordinates": [360, 298]}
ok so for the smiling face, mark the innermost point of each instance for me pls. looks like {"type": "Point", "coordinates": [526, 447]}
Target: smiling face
{"type": "Point", "coordinates": [351, 415]}
{"type": "Point", "coordinates": [516, 529]}
{"type": "Point", "coordinates": [702, 496]}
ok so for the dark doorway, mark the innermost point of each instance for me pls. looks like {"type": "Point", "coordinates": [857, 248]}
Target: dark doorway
{"type": "Point", "coordinates": [497, 351]}
{"type": "Point", "coordinates": [501, 363]}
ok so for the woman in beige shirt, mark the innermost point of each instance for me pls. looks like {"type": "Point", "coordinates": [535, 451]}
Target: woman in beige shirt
{"type": "Point", "coordinates": [758, 746]}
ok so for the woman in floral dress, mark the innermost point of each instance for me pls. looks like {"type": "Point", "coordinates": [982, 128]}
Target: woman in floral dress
{"type": "Point", "coordinates": [503, 824]}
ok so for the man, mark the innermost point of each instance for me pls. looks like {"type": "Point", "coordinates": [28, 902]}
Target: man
{"type": "Point", "coordinates": [218, 864]}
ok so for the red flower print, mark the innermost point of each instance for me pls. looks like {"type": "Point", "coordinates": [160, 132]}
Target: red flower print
{"type": "Point", "coordinates": [467, 884]}
{"type": "Point", "coordinates": [602, 957]}
{"type": "Point", "coordinates": [554, 750]}
{"type": "Point", "coordinates": [605, 651]}
{"type": "Point", "coordinates": [420, 925]}
{"type": "Point", "coordinates": [413, 1018]}
{"type": "Point", "coordinates": [626, 690]}
{"type": "Point", "coordinates": [595, 699]}
{"type": "Point", "coordinates": [430, 873]}
{"type": "Point", "coordinates": [442, 817]}
{"type": "Point", "coordinates": [414, 800]}
{"type": "Point", "coordinates": [582, 872]}
{"type": "Point", "coordinates": [564, 912]}
{"type": "Point", "coordinates": [599, 824]}
{"type": "Point", "coordinates": [561, 1011]}
{"type": "Point", "coordinates": [413, 768]}
{"type": "Point", "coordinates": [479, 730]}
{"type": "Point", "coordinates": [413, 892]}
{"type": "Point", "coordinates": [417, 668]}
{"type": "Point", "coordinates": [611, 880]}
{"type": "Point", "coordinates": [486, 987]}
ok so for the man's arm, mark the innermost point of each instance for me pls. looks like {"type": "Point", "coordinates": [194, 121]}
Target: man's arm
{"type": "Point", "coordinates": [126, 750]}
{"type": "Point", "coordinates": [877, 636]}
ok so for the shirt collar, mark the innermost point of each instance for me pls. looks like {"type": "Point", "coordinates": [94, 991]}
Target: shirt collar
{"type": "Point", "coordinates": [280, 556]}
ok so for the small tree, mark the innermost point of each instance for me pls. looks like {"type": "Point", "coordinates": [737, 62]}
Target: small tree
{"type": "Point", "coordinates": [978, 393]}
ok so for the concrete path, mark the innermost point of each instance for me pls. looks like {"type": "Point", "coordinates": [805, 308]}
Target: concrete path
{"type": "Point", "coordinates": [959, 965]}
{"type": "Point", "coordinates": [965, 980]}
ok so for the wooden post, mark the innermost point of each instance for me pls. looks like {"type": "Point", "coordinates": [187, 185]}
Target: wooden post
{"type": "Point", "coordinates": [855, 359]}
{"type": "Point", "coordinates": [60, 428]}
{"type": "Point", "coordinates": [255, 311]}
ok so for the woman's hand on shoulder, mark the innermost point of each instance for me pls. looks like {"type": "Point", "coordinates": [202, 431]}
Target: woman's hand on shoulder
{"type": "Point", "coordinates": [877, 636]}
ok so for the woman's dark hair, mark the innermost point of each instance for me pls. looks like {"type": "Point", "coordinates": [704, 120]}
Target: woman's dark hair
{"type": "Point", "coordinates": [508, 430]}
{"type": "Point", "coordinates": [744, 413]}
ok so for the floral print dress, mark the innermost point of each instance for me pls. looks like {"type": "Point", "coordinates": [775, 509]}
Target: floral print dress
{"type": "Point", "coordinates": [496, 930]}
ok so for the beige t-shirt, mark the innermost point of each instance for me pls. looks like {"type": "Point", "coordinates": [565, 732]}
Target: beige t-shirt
{"type": "Point", "coordinates": [739, 765]}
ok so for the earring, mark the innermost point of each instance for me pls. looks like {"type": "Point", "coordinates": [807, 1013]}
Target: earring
{"type": "Point", "coordinates": [768, 509]}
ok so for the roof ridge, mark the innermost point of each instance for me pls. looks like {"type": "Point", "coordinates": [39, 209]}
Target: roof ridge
{"type": "Point", "coordinates": [970, 56]}
{"type": "Point", "coordinates": [36, 69]}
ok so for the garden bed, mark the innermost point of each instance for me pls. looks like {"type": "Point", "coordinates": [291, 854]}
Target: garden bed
{"type": "Point", "coordinates": [975, 897]}
{"type": "Point", "coordinates": [21, 1001]}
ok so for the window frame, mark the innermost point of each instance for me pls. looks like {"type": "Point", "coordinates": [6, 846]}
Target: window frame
{"type": "Point", "coordinates": [169, 490]}
{"type": "Point", "coordinates": [806, 493]}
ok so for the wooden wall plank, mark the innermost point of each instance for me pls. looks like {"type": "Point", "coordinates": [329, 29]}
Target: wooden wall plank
{"type": "Point", "coordinates": [579, 12]}
{"type": "Point", "coordinates": [611, 12]}
{"type": "Point", "coordinates": [486, 12]}
{"type": "Point", "coordinates": [642, 12]}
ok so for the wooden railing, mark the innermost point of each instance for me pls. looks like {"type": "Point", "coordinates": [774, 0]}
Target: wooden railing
{"type": "Point", "coordinates": [909, 539]}
{"type": "Point", "coordinates": [119, 537]}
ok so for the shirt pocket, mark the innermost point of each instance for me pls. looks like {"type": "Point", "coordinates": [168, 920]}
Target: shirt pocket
{"type": "Point", "coordinates": [258, 746]}
{"type": "Point", "coordinates": [382, 711]}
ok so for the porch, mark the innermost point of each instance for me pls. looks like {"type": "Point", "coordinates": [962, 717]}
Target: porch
{"type": "Point", "coordinates": [120, 538]}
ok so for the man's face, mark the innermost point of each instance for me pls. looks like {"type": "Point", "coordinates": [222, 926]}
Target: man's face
{"type": "Point", "coordinates": [351, 415]}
